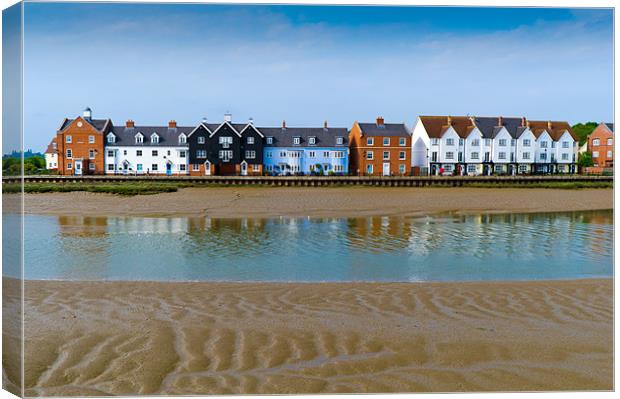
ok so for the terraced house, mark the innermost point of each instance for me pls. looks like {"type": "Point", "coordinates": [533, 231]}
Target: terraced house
{"type": "Point", "coordinates": [468, 145]}
{"type": "Point", "coordinates": [305, 150]}
{"type": "Point", "coordinates": [380, 149]}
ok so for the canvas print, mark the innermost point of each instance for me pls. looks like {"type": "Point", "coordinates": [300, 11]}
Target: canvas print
{"type": "Point", "coordinates": [208, 199]}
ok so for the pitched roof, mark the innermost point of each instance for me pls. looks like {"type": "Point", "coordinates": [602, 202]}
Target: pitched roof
{"type": "Point", "coordinates": [324, 137]}
{"type": "Point", "coordinates": [387, 129]}
{"type": "Point", "coordinates": [436, 126]}
{"type": "Point", "coordinates": [98, 124]}
{"type": "Point", "coordinates": [489, 126]}
{"type": "Point", "coordinates": [51, 147]}
{"type": "Point", "coordinates": [167, 136]}
{"type": "Point", "coordinates": [610, 126]}
{"type": "Point", "coordinates": [555, 129]}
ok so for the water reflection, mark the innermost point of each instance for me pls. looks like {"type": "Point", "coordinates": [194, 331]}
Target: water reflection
{"type": "Point", "coordinates": [442, 247]}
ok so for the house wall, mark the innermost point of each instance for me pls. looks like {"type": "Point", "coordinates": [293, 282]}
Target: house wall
{"type": "Point", "coordinates": [360, 148]}
{"type": "Point", "coordinates": [523, 149]}
{"type": "Point", "coordinates": [502, 137]}
{"type": "Point", "coordinates": [602, 133]}
{"type": "Point", "coordinates": [302, 160]}
{"type": "Point", "coordinates": [117, 155]}
{"type": "Point", "coordinates": [80, 131]}
{"type": "Point", "coordinates": [420, 150]}
{"type": "Point", "coordinates": [51, 161]}
{"type": "Point", "coordinates": [223, 166]}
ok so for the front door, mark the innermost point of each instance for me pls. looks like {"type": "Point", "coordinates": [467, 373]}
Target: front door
{"type": "Point", "coordinates": [168, 169]}
{"type": "Point", "coordinates": [244, 168]}
{"type": "Point", "coordinates": [78, 167]}
{"type": "Point", "coordinates": [386, 169]}
{"type": "Point", "coordinates": [208, 168]}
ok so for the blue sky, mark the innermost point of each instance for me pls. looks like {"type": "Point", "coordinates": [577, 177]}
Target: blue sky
{"type": "Point", "coordinates": [305, 64]}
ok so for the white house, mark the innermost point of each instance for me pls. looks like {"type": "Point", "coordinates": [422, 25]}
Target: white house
{"type": "Point", "coordinates": [51, 156]}
{"type": "Point", "coordinates": [153, 150]}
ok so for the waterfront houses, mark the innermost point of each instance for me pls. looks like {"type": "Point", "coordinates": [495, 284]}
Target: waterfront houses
{"type": "Point", "coordinates": [380, 149]}
{"type": "Point", "coordinates": [51, 156]}
{"type": "Point", "coordinates": [601, 145]}
{"type": "Point", "coordinates": [147, 150]}
{"type": "Point", "coordinates": [80, 144]}
{"type": "Point", "coordinates": [469, 145]}
{"type": "Point", "coordinates": [306, 150]}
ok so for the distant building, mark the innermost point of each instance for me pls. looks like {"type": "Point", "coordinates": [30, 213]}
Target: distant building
{"type": "Point", "coordinates": [51, 155]}
{"type": "Point", "coordinates": [601, 145]}
{"type": "Point", "coordinates": [380, 149]}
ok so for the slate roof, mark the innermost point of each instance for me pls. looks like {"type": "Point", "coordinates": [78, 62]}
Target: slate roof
{"type": "Point", "coordinates": [167, 136]}
{"type": "Point", "coordinates": [387, 129]}
{"type": "Point", "coordinates": [324, 137]}
{"type": "Point", "coordinates": [610, 126]}
{"type": "Point", "coordinates": [98, 124]}
{"type": "Point", "coordinates": [489, 126]}
{"type": "Point", "coordinates": [51, 148]}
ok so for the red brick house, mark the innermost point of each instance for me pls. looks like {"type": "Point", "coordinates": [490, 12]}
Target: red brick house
{"type": "Point", "coordinates": [601, 145]}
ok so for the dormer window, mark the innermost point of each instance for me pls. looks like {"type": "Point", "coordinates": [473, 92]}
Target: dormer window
{"type": "Point", "coordinates": [111, 138]}
{"type": "Point", "coordinates": [312, 140]}
{"type": "Point", "coordinates": [139, 138]}
{"type": "Point", "coordinates": [296, 140]}
{"type": "Point", "coordinates": [201, 139]}
{"type": "Point", "coordinates": [269, 140]}
{"type": "Point", "coordinates": [154, 138]}
{"type": "Point", "coordinates": [340, 140]}
{"type": "Point", "coordinates": [182, 139]}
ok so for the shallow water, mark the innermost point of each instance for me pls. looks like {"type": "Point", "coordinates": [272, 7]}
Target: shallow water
{"type": "Point", "coordinates": [430, 248]}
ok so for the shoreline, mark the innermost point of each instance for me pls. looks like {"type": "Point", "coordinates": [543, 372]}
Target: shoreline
{"type": "Point", "coordinates": [261, 202]}
{"type": "Point", "coordinates": [88, 338]}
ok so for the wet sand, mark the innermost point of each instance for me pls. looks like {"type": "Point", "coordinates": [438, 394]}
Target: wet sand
{"type": "Point", "coordinates": [316, 202]}
{"type": "Point", "coordinates": [127, 338]}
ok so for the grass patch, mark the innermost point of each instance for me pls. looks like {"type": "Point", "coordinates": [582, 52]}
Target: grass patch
{"type": "Point", "coordinates": [577, 185]}
{"type": "Point", "coordinates": [137, 188]}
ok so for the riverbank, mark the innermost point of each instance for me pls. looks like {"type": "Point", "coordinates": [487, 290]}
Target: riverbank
{"type": "Point", "coordinates": [128, 338]}
{"type": "Point", "coordinates": [256, 201]}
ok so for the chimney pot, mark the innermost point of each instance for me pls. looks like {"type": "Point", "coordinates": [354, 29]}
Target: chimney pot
{"type": "Point", "coordinates": [523, 121]}
{"type": "Point", "coordinates": [325, 125]}
{"type": "Point", "coordinates": [172, 124]}
{"type": "Point", "coordinates": [283, 124]}
{"type": "Point", "coordinates": [129, 123]}
{"type": "Point", "coordinates": [228, 117]}
{"type": "Point", "coordinates": [500, 121]}
{"type": "Point", "coordinates": [380, 121]}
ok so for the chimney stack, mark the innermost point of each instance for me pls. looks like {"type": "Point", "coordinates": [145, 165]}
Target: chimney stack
{"type": "Point", "coordinates": [380, 121]}
{"type": "Point", "coordinates": [251, 121]}
{"type": "Point", "coordinates": [549, 125]}
{"type": "Point", "coordinates": [523, 121]}
{"type": "Point", "coordinates": [228, 117]}
{"type": "Point", "coordinates": [130, 123]}
{"type": "Point", "coordinates": [325, 125]}
{"type": "Point", "coordinates": [500, 121]}
{"type": "Point", "coordinates": [204, 119]}
{"type": "Point", "coordinates": [172, 124]}
{"type": "Point", "coordinates": [283, 124]}
{"type": "Point", "coordinates": [87, 113]}
{"type": "Point", "coordinates": [449, 120]}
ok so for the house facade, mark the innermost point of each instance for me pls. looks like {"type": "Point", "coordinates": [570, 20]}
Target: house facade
{"type": "Point", "coordinates": [601, 145]}
{"type": "Point", "coordinates": [305, 150]}
{"type": "Point", "coordinates": [147, 150]}
{"type": "Point", "coordinates": [51, 156]}
{"type": "Point", "coordinates": [469, 145]}
{"type": "Point", "coordinates": [380, 149]}
{"type": "Point", "coordinates": [80, 145]}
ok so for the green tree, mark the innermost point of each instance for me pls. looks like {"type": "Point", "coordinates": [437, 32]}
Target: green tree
{"type": "Point", "coordinates": [585, 159]}
{"type": "Point", "coordinates": [583, 130]}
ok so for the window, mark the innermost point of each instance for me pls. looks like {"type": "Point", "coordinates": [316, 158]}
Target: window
{"type": "Point", "coordinates": [111, 138]}
{"type": "Point", "coordinates": [386, 141]}
{"type": "Point", "coordinates": [201, 153]}
{"type": "Point", "coordinates": [609, 154]}
{"type": "Point", "coordinates": [269, 140]}
{"type": "Point", "coordinates": [449, 141]}
{"type": "Point", "coordinates": [139, 138]}
{"type": "Point", "coordinates": [449, 155]}
{"type": "Point", "coordinates": [434, 156]}
{"type": "Point", "coordinates": [461, 141]}
{"type": "Point", "coordinates": [487, 142]}
{"type": "Point", "coordinates": [499, 168]}
{"type": "Point", "coordinates": [565, 144]}
{"type": "Point", "coordinates": [195, 167]}
{"type": "Point", "coordinates": [296, 140]}
{"type": "Point", "coordinates": [250, 140]}
{"type": "Point", "coordinates": [69, 139]}
{"type": "Point", "coordinates": [543, 144]}
{"type": "Point", "coordinates": [154, 138]}
{"type": "Point", "coordinates": [269, 154]}
{"type": "Point", "coordinates": [594, 154]}
{"type": "Point", "coordinates": [225, 155]}
{"type": "Point", "coordinates": [370, 155]}
{"type": "Point", "coordinates": [139, 167]}
{"type": "Point", "coordinates": [282, 154]}
{"type": "Point", "coordinates": [338, 168]}
{"type": "Point", "coordinates": [110, 153]}
{"type": "Point", "coordinates": [610, 141]}
{"type": "Point", "coordinates": [513, 142]}
{"type": "Point", "coordinates": [168, 152]}
{"type": "Point", "coordinates": [595, 142]}
{"type": "Point", "coordinates": [471, 169]}
{"type": "Point", "coordinates": [182, 139]}
{"type": "Point", "coordinates": [402, 155]}
{"type": "Point", "coordinates": [386, 155]}
{"type": "Point", "coordinates": [154, 153]}
{"type": "Point", "coordinates": [434, 141]}
{"type": "Point", "coordinates": [91, 166]}
{"type": "Point", "coordinates": [370, 141]}
{"type": "Point", "coordinates": [182, 167]}
{"type": "Point", "coordinates": [543, 156]}
{"type": "Point", "coordinates": [526, 155]}
{"type": "Point", "coordinates": [250, 154]}
{"type": "Point", "coordinates": [225, 141]}
{"type": "Point", "coordinates": [339, 140]}
{"type": "Point", "coordinates": [526, 143]}
{"type": "Point", "coordinates": [110, 166]}
{"type": "Point", "coordinates": [91, 139]}
{"type": "Point", "coordinates": [369, 169]}
{"type": "Point", "coordinates": [91, 154]}
{"type": "Point", "coordinates": [69, 153]}
{"type": "Point", "coordinates": [138, 153]}
{"type": "Point", "coordinates": [522, 168]}
{"type": "Point", "coordinates": [256, 167]}
{"type": "Point", "coordinates": [553, 144]}
{"type": "Point", "coordinates": [69, 165]}
{"type": "Point", "coordinates": [475, 143]}
{"type": "Point", "coordinates": [501, 155]}
{"type": "Point", "coordinates": [154, 167]}
{"type": "Point", "coordinates": [565, 157]}
{"type": "Point", "coordinates": [502, 142]}
{"type": "Point", "coordinates": [401, 168]}
{"type": "Point", "coordinates": [182, 154]}
{"type": "Point", "coordinates": [312, 140]}
{"type": "Point", "coordinates": [201, 140]}
{"type": "Point", "coordinates": [448, 168]}
{"type": "Point", "coordinates": [311, 154]}
{"type": "Point", "coordinates": [338, 154]}
{"type": "Point", "coordinates": [402, 141]}
{"type": "Point", "coordinates": [475, 155]}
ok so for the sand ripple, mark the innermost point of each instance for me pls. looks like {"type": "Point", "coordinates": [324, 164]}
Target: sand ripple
{"type": "Point", "coordinates": [209, 338]}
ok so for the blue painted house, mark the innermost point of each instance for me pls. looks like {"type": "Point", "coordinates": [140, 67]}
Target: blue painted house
{"type": "Point", "coordinates": [305, 150]}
